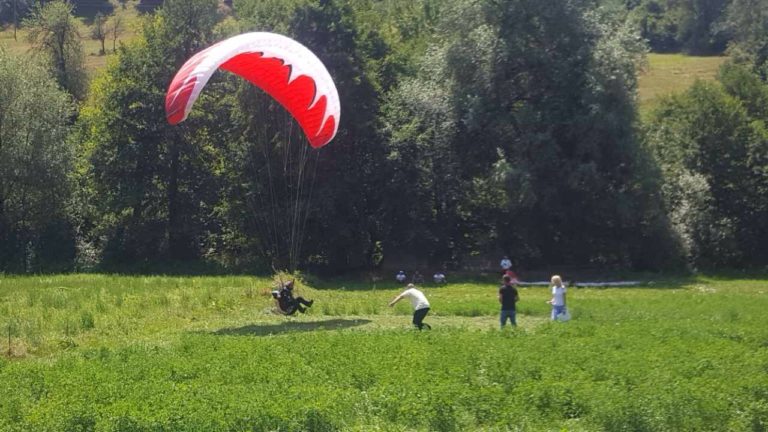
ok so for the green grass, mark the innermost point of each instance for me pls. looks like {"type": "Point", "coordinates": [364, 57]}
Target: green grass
{"type": "Point", "coordinates": [140, 353]}
{"type": "Point", "coordinates": [673, 73]}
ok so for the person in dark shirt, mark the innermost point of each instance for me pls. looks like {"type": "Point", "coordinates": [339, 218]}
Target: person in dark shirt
{"type": "Point", "coordinates": [418, 278]}
{"type": "Point", "coordinates": [287, 302]}
{"type": "Point", "coordinates": [508, 296]}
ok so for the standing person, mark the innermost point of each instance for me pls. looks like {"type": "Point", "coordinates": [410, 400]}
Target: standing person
{"type": "Point", "coordinates": [400, 276]}
{"type": "Point", "coordinates": [505, 264]}
{"type": "Point", "coordinates": [418, 278]}
{"type": "Point", "coordinates": [439, 278]}
{"type": "Point", "coordinates": [508, 297]}
{"type": "Point", "coordinates": [419, 302]}
{"type": "Point", "coordinates": [558, 297]}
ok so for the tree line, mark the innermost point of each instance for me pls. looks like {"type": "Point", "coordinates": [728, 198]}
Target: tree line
{"type": "Point", "coordinates": [468, 128]}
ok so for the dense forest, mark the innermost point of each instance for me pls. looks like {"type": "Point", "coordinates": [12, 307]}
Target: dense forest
{"type": "Point", "coordinates": [468, 129]}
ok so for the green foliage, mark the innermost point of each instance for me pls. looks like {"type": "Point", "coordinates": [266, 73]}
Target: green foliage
{"type": "Point", "coordinates": [53, 32]}
{"type": "Point", "coordinates": [147, 185]}
{"type": "Point", "coordinates": [469, 128]}
{"type": "Point", "coordinates": [713, 156]}
{"type": "Point", "coordinates": [99, 31]}
{"type": "Point", "coordinates": [740, 82]}
{"type": "Point", "coordinates": [526, 150]}
{"type": "Point", "coordinates": [12, 11]}
{"type": "Point", "coordinates": [35, 162]}
{"type": "Point", "coordinates": [690, 26]}
{"type": "Point", "coordinates": [747, 22]}
{"type": "Point", "coordinates": [335, 191]}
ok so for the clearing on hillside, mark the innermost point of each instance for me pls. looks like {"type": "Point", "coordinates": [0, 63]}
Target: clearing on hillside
{"type": "Point", "coordinates": [672, 73]}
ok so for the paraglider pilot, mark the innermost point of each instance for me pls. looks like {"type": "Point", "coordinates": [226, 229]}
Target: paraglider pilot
{"type": "Point", "coordinates": [287, 302]}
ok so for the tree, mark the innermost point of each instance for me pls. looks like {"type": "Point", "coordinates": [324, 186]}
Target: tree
{"type": "Point", "coordinates": [150, 183]}
{"type": "Point", "coordinates": [713, 158]}
{"type": "Point", "coordinates": [99, 30]}
{"type": "Point", "coordinates": [35, 162]}
{"type": "Point", "coordinates": [12, 11]}
{"type": "Point", "coordinates": [115, 29]}
{"type": "Point", "coordinates": [692, 26]}
{"type": "Point", "coordinates": [517, 134]}
{"type": "Point", "coordinates": [741, 82]}
{"type": "Point", "coordinates": [341, 207]}
{"type": "Point", "coordinates": [698, 26]}
{"type": "Point", "coordinates": [747, 23]}
{"type": "Point", "coordinates": [53, 33]}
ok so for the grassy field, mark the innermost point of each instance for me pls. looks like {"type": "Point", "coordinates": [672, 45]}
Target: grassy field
{"type": "Point", "coordinates": [672, 73]}
{"type": "Point", "coordinates": [152, 353]}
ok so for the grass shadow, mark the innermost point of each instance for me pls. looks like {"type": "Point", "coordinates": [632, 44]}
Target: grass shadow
{"type": "Point", "coordinates": [290, 327]}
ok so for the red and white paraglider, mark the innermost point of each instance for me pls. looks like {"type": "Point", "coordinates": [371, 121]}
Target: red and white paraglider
{"type": "Point", "coordinates": [293, 76]}
{"type": "Point", "coordinates": [282, 67]}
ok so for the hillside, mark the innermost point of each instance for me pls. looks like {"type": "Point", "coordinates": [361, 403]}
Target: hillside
{"type": "Point", "coordinates": [663, 74]}
{"type": "Point", "coordinates": [129, 17]}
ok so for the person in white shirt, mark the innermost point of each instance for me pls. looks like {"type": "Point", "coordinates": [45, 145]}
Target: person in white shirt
{"type": "Point", "coordinates": [558, 297]}
{"type": "Point", "coordinates": [439, 278]}
{"type": "Point", "coordinates": [418, 301]}
{"type": "Point", "coordinates": [400, 276]}
{"type": "Point", "coordinates": [505, 264]}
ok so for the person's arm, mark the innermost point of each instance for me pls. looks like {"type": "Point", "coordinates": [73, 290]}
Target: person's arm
{"type": "Point", "coordinates": [395, 300]}
{"type": "Point", "coordinates": [500, 301]}
{"type": "Point", "coordinates": [564, 302]}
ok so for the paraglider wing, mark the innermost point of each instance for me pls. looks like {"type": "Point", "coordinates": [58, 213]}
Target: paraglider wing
{"type": "Point", "coordinates": [282, 67]}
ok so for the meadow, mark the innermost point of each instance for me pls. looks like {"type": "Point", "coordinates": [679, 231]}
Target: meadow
{"type": "Point", "coordinates": [666, 74]}
{"type": "Point", "coordinates": [96, 352]}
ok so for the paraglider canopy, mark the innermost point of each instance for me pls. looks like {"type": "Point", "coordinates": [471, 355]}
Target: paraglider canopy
{"type": "Point", "coordinates": [282, 67]}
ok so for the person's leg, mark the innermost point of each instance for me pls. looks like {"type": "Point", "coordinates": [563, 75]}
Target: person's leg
{"type": "Point", "coordinates": [305, 302]}
{"type": "Point", "coordinates": [503, 318]}
{"type": "Point", "coordinates": [513, 317]}
{"type": "Point", "coordinates": [418, 318]}
{"type": "Point", "coordinates": [293, 306]}
{"type": "Point", "coordinates": [557, 310]}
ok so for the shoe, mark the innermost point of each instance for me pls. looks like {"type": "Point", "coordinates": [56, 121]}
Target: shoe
{"type": "Point", "coordinates": [310, 303]}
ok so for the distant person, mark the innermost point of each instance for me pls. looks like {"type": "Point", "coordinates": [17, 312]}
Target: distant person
{"type": "Point", "coordinates": [401, 277]}
{"type": "Point", "coordinates": [289, 304]}
{"type": "Point", "coordinates": [558, 297]}
{"type": "Point", "coordinates": [505, 264]}
{"type": "Point", "coordinates": [508, 297]}
{"type": "Point", "coordinates": [418, 301]}
{"type": "Point", "coordinates": [417, 278]}
{"type": "Point", "coordinates": [439, 278]}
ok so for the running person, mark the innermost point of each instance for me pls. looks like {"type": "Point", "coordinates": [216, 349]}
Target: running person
{"type": "Point", "coordinates": [419, 302]}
